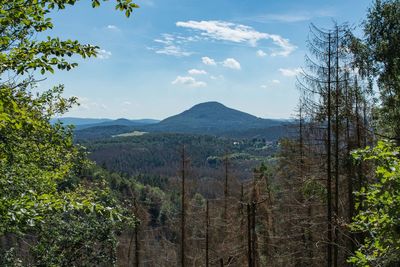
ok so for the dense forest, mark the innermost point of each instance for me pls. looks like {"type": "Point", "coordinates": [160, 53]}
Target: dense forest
{"type": "Point", "coordinates": [328, 194]}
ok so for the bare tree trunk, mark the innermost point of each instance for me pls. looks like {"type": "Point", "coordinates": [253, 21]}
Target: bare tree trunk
{"type": "Point", "coordinates": [329, 161]}
{"type": "Point", "coordinates": [349, 170]}
{"type": "Point", "coordinates": [253, 230]}
{"type": "Point", "coordinates": [207, 233]}
{"type": "Point", "coordinates": [183, 212]}
{"type": "Point", "coordinates": [226, 191]}
{"type": "Point", "coordinates": [137, 259]}
{"type": "Point", "coordinates": [337, 121]}
{"type": "Point", "coordinates": [249, 238]}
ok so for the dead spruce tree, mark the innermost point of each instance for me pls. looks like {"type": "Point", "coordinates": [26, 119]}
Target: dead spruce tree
{"type": "Point", "coordinates": [317, 175]}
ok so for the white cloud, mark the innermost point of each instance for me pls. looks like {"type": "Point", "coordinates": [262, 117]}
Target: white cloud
{"type": "Point", "coordinates": [167, 39]}
{"type": "Point", "coordinates": [172, 46]}
{"type": "Point", "coordinates": [172, 50]}
{"type": "Point", "coordinates": [113, 28]}
{"type": "Point", "coordinates": [208, 61]}
{"type": "Point", "coordinates": [196, 72]}
{"type": "Point", "coordinates": [276, 81]}
{"type": "Point", "coordinates": [227, 31]}
{"type": "Point", "coordinates": [127, 103]}
{"type": "Point", "coordinates": [103, 54]}
{"type": "Point", "coordinates": [231, 63]}
{"type": "Point", "coordinates": [190, 81]}
{"type": "Point", "coordinates": [261, 53]}
{"type": "Point", "coordinates": [286, 47]}
{"type": "Point", "coordinates": [227, 63]}
{"type": "Point", "coordinates": [264, 86]}
{"type": "Point", "coordinates": [290, 72]}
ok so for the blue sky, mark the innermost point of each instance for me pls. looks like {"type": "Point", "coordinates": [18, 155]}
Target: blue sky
{"type": "Point", "coordinates": [170, 55]}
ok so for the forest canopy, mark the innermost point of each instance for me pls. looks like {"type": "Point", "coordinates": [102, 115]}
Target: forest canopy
{"type": "Point", "coordinates": [46, 183]}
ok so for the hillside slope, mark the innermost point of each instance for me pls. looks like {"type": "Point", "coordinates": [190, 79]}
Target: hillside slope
{"type": "Point", "coordinates": [211, 118]}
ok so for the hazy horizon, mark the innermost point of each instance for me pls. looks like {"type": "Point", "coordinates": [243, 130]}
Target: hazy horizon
{"type": "Point", "coordinates": [159, 119]}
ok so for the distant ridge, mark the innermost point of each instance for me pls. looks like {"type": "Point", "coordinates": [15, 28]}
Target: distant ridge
{"type": "Point", "coordinates": [209, 118]}
{"type": "Point", "coordinates": [120, 122]}
{"type": "Point", "coordinates": [83, 123]}
{"type": "Point", "coordinates": [77, 121]}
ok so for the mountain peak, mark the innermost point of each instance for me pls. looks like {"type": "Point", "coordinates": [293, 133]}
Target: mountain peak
{"type": "Point", "coordinates": [207, 107]}
{"type": "Point", "coordinates": [211, 117]}
{"type": "Point", "coordinates": [209, 104]}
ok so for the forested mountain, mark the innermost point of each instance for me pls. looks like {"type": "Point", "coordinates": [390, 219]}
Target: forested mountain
{"type": "Point", "coordinates": [211, 118]}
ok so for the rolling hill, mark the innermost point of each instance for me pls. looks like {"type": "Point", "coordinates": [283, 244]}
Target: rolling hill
{"type": "Point", "coordinates": [209, 118]}
{"type": "Point", "coordinates": [83, 123]}
{"type": "Point", "coordinates": [77, 121]}
{"type": "Point", "coordinates": [119, 122]}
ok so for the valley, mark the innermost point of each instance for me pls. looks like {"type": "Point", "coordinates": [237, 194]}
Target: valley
{"type": "Point", "coordinates": [210, 132]}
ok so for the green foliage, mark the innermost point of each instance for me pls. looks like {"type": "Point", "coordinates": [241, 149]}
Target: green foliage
{"type": "Point", "coordinates": [76, 239]}
{"type": "Point", "coordinates": [33, 156]}
{"type": "Point", "coordinates": [41, 171]}
{"type": "Point", "coordinates": [10, 259]}
{"type": "Point", "coordinates": [41, 183]}
{"type": "Point", "coordinates": [379, 215]}
{"type": "Point", "coordinates": [20, 20]}
{"type": "Point", "coordinates": [379, 56]}
{"type": "Point", "coordinates": [82, 237]}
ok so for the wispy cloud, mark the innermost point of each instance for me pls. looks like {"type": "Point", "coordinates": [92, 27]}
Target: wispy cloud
{"type": "Point", "coordinates": [237, 33]}
{"type": "Point", "coordinates": [166, 39]}
{"type": "Point", "coordinates": [231, 63]}
{"type": "Point", "coordinates": [196, 72]}
{"type": "Point", "coordinates": [270, 84]}
{"type": "Point", "coordinates": [221, 30]}
{"type": "Point", "coordinates": [286, 47]}
{"type": "Point", "coordinates": [103, 54]}
{"type": "Point", "coordinates": [291, 17]}
{"type": "Point", "coordinates": [290, 72]}
{"type": "Point", "coordinates": [189, 81]}
{"type": "Point", "coordinates": [172, 50]}
{"type": "Point", "coordinates": [208, 61]}
{"type": "Point", "coordinates": [87, 104]}
{"type": "Point", "coordinates": [172, 45]}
